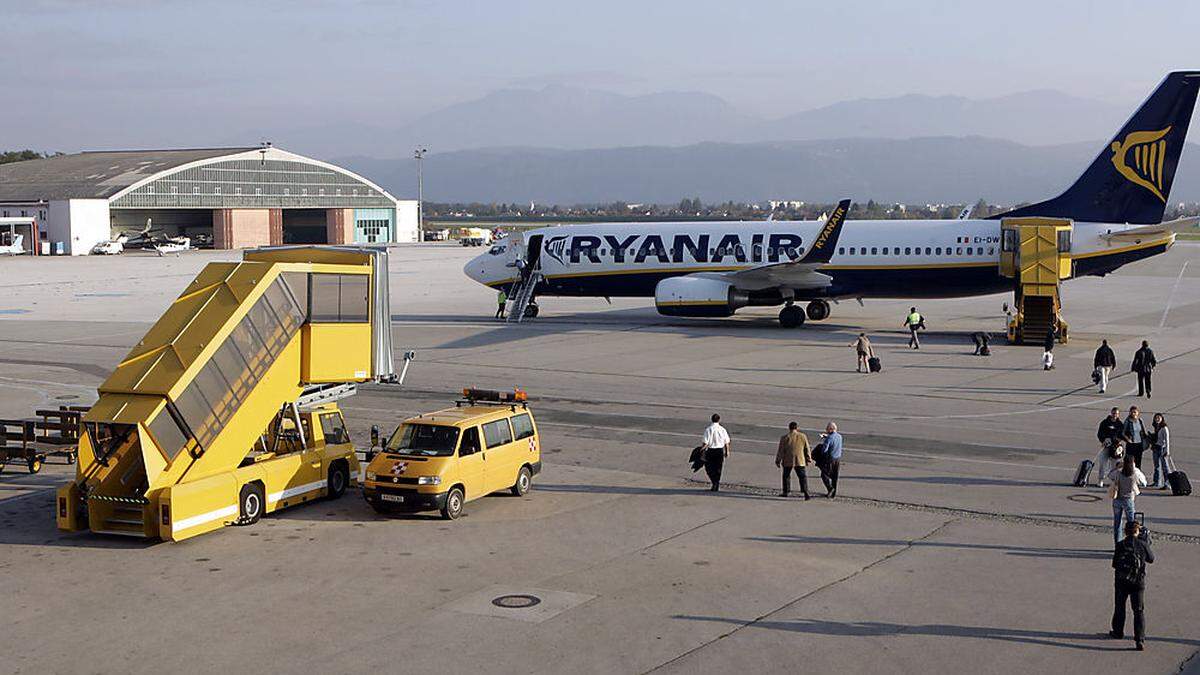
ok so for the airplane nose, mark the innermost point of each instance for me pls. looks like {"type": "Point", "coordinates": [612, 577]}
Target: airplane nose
{"type": "Point", "coordinates": [476, 270]}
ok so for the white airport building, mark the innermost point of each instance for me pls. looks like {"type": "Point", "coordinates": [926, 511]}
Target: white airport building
{"type": "Point", "coordinates": [241, 197]}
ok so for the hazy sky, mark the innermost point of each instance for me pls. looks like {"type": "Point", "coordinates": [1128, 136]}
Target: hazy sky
{"type": "Point", "coordinates": [136, 73]}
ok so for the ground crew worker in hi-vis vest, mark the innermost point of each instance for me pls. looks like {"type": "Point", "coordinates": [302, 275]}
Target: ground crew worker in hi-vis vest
{"type": "Point", "coordinates": [914, 322]}
{"type": "Point", "coordinates": [502, 299]}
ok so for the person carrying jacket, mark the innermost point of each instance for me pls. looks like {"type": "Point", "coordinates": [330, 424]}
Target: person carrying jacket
{"type": "Point", "coordinates": [1111, 435]}
{"type": "Point", "coordinates": [1144, 364]}
{"type": "Point", "coordinates": [793, 455]}
{"type": "Point", "coordinates": [715, 443]}
{"type": "Point", "coordinates": [1129, 561]}
{"type": "Point", "coordinates": [1104, 362]}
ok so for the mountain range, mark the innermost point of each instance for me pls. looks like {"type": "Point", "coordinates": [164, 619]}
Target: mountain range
{"type": "Point", "coordinates": [573, 118]}
{"type": "Point", "coordinates": [563, 144]}
{"type": "Point", "coordinates": [916, 170]}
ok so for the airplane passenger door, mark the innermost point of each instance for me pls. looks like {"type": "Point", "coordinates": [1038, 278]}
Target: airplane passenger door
{"type": "Point", "coordinates": [533, 253]}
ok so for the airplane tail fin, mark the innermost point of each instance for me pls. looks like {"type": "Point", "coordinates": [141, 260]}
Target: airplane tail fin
{"type": "Point", "coordinates": [826, 241]}
{"type": "Point", "coordinates": [1130, 181]}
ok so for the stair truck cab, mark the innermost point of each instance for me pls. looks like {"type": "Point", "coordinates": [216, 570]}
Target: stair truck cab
{"type": "Point", "coordinates": [439, 461]}
{"type": "Point", "coordinates": [225, 409]}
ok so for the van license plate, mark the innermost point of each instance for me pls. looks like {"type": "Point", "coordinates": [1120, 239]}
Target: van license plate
{"type": "Point", "coordinates": [392, 498]}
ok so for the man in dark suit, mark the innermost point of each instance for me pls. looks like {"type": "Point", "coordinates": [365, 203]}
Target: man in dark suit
{"type": "Point", "coordinates": [1144, 364]}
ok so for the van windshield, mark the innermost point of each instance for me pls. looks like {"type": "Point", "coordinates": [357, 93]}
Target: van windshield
{"type": "Point", "coordinates": [424, 439]}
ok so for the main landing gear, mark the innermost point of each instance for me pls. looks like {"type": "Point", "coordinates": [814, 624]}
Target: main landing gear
{"type": "Point", "coordinates": [818, 310]}
{"type": "Point", "coordinates": [792, 316]}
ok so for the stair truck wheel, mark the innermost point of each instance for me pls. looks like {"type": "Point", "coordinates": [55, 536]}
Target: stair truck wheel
{"type": "Point", "coordinates": [453, 507]}
{"type": "Point", "coordinates": [818, 310]}
{"type": "Point", "coordinates": [339, 478]}
{"type": "Point", "coordinates": [791, 316]}
{"type": "Point", "coordinates": [524, 482]}
{"type": "Point", "coordinates": [251, 504]}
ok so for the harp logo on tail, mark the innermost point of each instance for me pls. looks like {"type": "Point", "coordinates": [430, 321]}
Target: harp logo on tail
{"type": "Point", "coordinates": [1140, 157]}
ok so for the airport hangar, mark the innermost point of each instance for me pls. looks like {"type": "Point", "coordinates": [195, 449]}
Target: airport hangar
{"type": "Point", "coordinates": [254, 196]}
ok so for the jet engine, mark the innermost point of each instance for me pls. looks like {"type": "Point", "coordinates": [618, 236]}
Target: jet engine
{"type": "Point", "coordinates": [698, 296]}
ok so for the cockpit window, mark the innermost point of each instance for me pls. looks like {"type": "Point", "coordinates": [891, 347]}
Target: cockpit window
{"type": "Point", "coordinates": [496, 250]}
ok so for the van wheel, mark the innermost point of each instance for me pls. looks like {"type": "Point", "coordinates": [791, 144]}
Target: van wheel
{"type": "Point", "coordinates": [251, 503]}
{"type": "Point", "coordinates": [339, 478]}
{"type": "Point", "coordinates": [453, 507]}
{"type": "Point", "coordinates": [524, 482]}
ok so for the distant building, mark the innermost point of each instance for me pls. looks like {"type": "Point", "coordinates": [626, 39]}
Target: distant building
{"type": "Point", "coordinates": [242, 197]}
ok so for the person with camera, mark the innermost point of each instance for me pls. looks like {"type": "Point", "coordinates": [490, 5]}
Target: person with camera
{"type": "Point", "coordinates": [1129, 561]}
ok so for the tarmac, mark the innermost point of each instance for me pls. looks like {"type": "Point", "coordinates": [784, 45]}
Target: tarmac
{"type": "Point", "coordinates": [956, 541]}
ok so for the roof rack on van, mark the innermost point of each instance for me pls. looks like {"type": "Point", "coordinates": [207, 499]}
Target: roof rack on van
{"type": "Point", "coordinates": [474, 396]}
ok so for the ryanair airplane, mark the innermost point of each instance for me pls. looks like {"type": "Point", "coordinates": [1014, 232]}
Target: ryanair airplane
{"type": "Point", "coordinates": [715, 268]}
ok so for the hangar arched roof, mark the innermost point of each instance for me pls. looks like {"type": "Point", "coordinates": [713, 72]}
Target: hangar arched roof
{"type": "Point", "coordinates": [199, 178]}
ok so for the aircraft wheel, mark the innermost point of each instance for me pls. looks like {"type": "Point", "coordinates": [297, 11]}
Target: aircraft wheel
{"type": "Point", "coordinates": [531, 310]}
{"type": "Point", "coordinates": [791, 316]}
{"type": "Point", "coordinates": [818, 310]}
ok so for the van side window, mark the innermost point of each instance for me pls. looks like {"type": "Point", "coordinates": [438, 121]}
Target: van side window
{"type": "Point", "coordinates": [497, 433]}
{"type": "Point", "coordinates": [470, 442]}
{"type": "Point", "coordinates": [334, 428]}
{"type": "Point", "coordinates": [522, 426]}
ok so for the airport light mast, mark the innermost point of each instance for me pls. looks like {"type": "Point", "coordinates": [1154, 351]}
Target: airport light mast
{"type": "Point", "coordinates": [419, 154]}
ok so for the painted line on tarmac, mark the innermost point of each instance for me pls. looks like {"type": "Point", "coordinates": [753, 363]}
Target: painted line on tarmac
{"type": "Point", "coordinates": [885, 453]}
{"type": "Point", "coordinates": [1171, 295]}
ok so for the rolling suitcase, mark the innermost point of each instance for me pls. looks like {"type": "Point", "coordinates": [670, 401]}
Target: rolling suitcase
{"type": "Point", "coordinates": [1178, 480]}
{"type": "Point", "coordinates": [874, 364]}
{"type": "Point", "coordinates": [1081, 476]}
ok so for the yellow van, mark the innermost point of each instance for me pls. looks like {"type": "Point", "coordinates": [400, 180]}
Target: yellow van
{"type": "Point", "coordinates": [441, 460]}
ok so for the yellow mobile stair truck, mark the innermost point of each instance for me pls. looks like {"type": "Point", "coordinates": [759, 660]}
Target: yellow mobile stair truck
{"type": "Point", "coordinates": [226, 408]}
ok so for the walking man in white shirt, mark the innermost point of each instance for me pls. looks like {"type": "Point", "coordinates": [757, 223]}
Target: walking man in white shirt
{"type": "Point", "coordinates": [716, 449]}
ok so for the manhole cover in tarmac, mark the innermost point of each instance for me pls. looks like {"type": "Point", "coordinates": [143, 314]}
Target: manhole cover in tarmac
{"type": "Point", "coordinates": [1083, 498]}
{"type": "Point", "coordinates": [517, 601]}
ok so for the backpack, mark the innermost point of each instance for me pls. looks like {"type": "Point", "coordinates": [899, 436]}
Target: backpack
{"type": "Point", "coordinates": [1127, 562]}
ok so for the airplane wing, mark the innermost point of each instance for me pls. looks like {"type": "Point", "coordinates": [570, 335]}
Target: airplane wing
{"type": "Point", "coordinates": [799, 274]}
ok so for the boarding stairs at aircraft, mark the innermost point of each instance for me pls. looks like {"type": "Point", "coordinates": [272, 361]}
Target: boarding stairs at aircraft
{"type": "Point", "coordinates": [1035, 254]}
{"type": "Point", "coordinates": [288, 325]}
{"type": "Point", "coordinates": [523, 294]}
